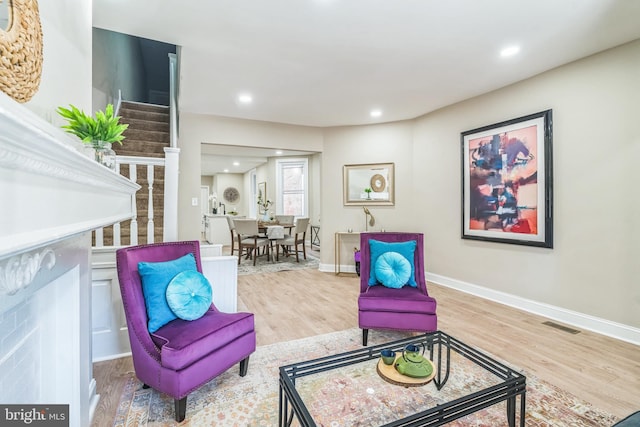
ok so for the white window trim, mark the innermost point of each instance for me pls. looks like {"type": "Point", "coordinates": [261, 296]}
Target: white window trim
{"type": "Point", "coordinates": [253, 204]}
{"type": "Point", "coordinates": [305, 172]}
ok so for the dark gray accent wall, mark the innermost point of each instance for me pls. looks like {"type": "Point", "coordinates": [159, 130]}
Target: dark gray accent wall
{"type": "Point", "coordinates": [138, 67]}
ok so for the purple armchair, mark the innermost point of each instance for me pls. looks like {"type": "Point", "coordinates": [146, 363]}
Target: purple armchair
{"type": "Point", "coordinates": [408, 308]}
{"type": "Point", "coordinates": [182, 355]}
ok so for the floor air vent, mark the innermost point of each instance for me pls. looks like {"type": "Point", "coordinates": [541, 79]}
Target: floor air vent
{"type": "Point", "coordinates": [561, 327]}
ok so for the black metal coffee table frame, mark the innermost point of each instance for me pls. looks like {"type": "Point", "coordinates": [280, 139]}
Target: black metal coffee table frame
{"type": "Point", "coordinates": [513, 383]}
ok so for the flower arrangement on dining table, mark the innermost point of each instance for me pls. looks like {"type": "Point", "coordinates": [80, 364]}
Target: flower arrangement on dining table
{"type": "Point", "coordinates": [264, 204]}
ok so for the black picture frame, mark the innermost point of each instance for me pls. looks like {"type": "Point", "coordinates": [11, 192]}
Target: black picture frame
{"type": "Point", "coordinates": [507, 181]}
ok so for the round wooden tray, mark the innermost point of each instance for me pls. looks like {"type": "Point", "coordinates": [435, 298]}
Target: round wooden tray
{"type": "Point", "coordinates": [390, 375]}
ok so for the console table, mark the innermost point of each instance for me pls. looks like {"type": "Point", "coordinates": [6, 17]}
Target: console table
{"type": "Point", "coordinates": [338, 237]}
{"type": "Point", "coordinates": [315, 235]}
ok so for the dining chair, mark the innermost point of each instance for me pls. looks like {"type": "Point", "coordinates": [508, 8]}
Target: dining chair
{"type": "Point", "coordinates": [285, 219]}
{"type": "Point", "coordinates": [178, 344]}
{"type": "Point", "coordinates": [232, 230]}
{"type": "Point", "coordinates": [249, 239]}
{"type": "Point", "coordinates": [296, 238]}
{"type": "Point", "coordinates": [275, 234]}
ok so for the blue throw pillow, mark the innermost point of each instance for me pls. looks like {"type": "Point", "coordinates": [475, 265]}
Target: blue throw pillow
{"type": "Point", "coordinates": [189, 295]}
{"type": "Point", "coordinates": [406, 249]}
{"type": "Point", "coordinates": [393, 270]}
{"type": "Point", "coordinates": [155, 278]}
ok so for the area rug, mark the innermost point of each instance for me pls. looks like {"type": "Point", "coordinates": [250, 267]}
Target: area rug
{"type": "Point", "coordinates": [265, 265]}
{"type": "Point", "coordinates": [234, 401]}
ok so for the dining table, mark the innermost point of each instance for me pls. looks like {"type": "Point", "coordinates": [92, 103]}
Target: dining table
{"type": "Point", "coordinates": [274, 231]}
{"type": "Point", "coordinates": [262, 226]}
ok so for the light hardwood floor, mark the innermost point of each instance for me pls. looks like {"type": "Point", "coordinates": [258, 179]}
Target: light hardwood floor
{"type": "Point", "coordinates": [297, 304]}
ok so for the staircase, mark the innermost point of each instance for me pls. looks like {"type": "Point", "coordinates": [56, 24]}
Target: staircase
{"type": "Point", "coordinates": [148, 132]}
{"type": "Point", "coordinates": [147, 136]}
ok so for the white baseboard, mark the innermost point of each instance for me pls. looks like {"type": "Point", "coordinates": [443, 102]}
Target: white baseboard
{"type": "Point", "coordinates": [574, 318]}
{"type": "Point", "coordinates": [331, 268]}
{"type": "Point", "coordinates": [111, 357]}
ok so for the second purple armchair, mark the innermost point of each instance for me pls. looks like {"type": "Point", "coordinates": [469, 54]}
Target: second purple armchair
{"type": "Point", "coordinates": [408, 308]}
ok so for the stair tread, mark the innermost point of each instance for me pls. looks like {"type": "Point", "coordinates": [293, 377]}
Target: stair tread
{"type": "Point", "coordinates": [140, 106]}
{"type": "Point", "coordinates": [147, 125]}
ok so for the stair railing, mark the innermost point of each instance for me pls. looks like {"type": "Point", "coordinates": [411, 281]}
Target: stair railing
{"type": "Point", "coordinates": [171, 167]}
{"type": "Point", "coordinates": [173, 100]}
{"type": "Point", "coordinates": [172, 156]}
{"type": "Point", "coordinates": [132, 162]}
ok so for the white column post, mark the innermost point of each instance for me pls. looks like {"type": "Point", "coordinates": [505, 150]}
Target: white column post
{"type": "Point", "coordinates": [171, 165]}
{"type": "Point", "coordinates": [116, 226]}
{"type": "Point", "coordinates": [133, 231]}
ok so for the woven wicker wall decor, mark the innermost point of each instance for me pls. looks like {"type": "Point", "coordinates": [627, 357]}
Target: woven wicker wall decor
{"type": "Point", "coordinates": [21, 51]}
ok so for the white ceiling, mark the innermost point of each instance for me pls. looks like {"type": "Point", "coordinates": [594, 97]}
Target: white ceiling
{"type": "Point", "coordinates": [329, 62]}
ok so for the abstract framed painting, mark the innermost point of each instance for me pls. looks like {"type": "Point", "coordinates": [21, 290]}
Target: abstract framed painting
{"type": "Point", "coordinates": [507, 181]}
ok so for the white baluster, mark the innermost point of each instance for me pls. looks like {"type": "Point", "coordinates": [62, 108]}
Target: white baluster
{"type": "Point", "coordinates": [99, 237]}
{"type": "Point", "coordinates": [116, 227]}
{"type": "Point", "coordinates": [150, 225]}
{"type": "Point", "coordinates": [133, 176]}
{"type": "Point", "coordinates": [117, 234]}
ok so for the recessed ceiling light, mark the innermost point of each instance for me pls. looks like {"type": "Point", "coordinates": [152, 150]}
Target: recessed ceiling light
{"type": "Point", "coordinates": [226, 170]}
{"type": "Point", "coordinates": [278, 152]}
{"type": "Point", "coordinates": [245, 98]}
{"type": "Point", "coordinates": [236, 164]}
{"type": "Point", "coordinates": [376, 113]}
{"type": "Point", "coordinates": [509, 51]}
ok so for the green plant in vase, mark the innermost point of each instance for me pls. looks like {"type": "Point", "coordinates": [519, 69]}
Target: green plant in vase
{"type": "Point", "coordinates": [368, 191]}
{"type": "Point", "coordinates": [98, 132]}
{"type": "Point", "coordinates": [263, 204]}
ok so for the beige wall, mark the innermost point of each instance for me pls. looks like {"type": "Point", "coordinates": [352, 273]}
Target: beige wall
{"type": "Point", "coordinates": [66, 68]}
{"type": "Point", "coordinates": [383, 143]}
{"type": "Point", "coordinates": [196, 129]}
{"type": "Point", "coordinates": [218, 183]}
{"type": "Point", "coordinates": [235, 180]}
{"type": "Point", "coordinates": [315, 182]}
{"type": "Point", "coordinates": [593, 267]}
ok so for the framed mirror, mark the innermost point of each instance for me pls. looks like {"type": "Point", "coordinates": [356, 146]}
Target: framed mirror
{"type": "Point", "coordinates": [368, 184]}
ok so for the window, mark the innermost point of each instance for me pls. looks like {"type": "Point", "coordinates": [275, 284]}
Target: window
{"type": "Point", "coordinates": [292, 186]}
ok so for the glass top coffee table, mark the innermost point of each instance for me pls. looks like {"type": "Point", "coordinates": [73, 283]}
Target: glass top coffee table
{"type": "Point", "coordinates": [347, 389]}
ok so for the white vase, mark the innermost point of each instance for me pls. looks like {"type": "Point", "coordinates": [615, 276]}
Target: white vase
{"type": "Point", "coordinates": [266, 217]}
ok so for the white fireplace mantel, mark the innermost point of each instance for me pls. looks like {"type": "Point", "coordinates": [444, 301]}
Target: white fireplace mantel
{"type": "Point", "coordinates": [48, 189]}
{"type": "Point", "coordinates": [51, 197]}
